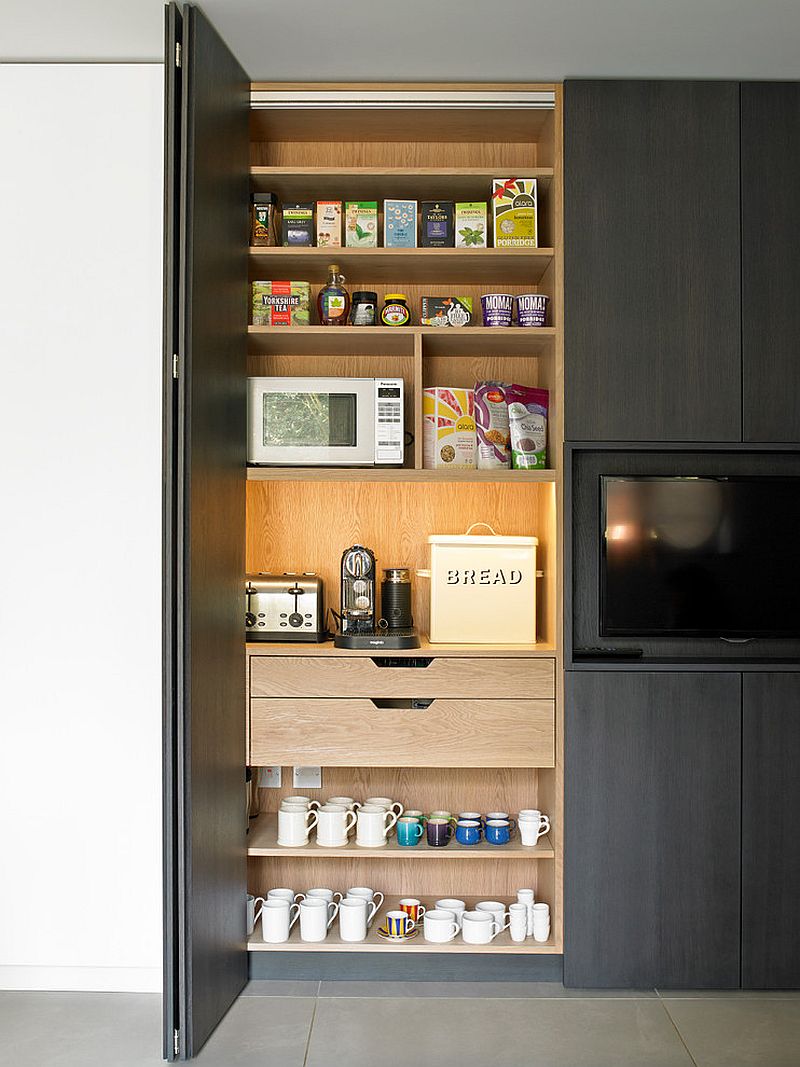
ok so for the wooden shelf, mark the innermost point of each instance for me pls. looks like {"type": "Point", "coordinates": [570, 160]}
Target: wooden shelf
{"type": "Point", "coordinates": [376, 183]}
{"type": "Point", "coordinates": [263, 841]}
{"type": "Point", "coordinates": [444, 266]}
{"type": "Point", "coordinates": [399, 340]}
{"type": "Point", "coordinates": [333, 943]}
{"type": "Point", "coordinates": [392, 474]}
{"type": "Point", "coordinates": [327, 648]}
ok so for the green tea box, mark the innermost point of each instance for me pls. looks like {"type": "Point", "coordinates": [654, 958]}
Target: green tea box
{"type": "Point", "coordinates": [436, 224]}
{"type": "Point", "coordinates": [399, 224]}
{"type": "Point", "coordinates": [470, 225]}
{"type": "Point", "coordinates": [298, 224]}
{"type": "Point", "coordinates": [514, 213]}
{"type": "Point", "coordinates": [361, 224]}
{"type": "Point", "coordinates": [281, 303]}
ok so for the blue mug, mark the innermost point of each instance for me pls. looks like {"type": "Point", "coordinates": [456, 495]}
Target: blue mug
{"type": "Point", "coordinates": [497, 831]}
{"type": "Point", "coordinates": [409, 831]}
{"type": "Point", "coordinates": [468, 832]}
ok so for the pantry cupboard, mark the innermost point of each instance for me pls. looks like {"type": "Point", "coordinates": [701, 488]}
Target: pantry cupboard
{"type": "Point", "coordinates": [444, 726]}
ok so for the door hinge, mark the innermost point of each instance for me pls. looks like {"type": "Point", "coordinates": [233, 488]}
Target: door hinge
{"type": "Point", "coordinates": [176, 1042]}
{"type": "Point", "coordinates": [177, 53]}
{"type": "Point", "coordinates": [174, 364]}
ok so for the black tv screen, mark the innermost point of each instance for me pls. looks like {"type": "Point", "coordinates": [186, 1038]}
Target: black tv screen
{"type": "Point", "coordinates": [700, 557]}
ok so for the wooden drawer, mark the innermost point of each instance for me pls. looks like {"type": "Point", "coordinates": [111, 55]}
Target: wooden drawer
{"type": "Point", "coordinates": [361, 676]}
{"type": "Point", "coordinates": [448, 733]}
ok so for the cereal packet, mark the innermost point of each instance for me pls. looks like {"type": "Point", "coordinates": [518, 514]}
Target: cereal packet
{"type": "Point", "coordinates": [491, 424]}
{"type": "Point", "coordinates": [527, 417]}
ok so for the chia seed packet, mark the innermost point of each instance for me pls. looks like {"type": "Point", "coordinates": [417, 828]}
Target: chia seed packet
{"type": "Point", "coordinates": [527, 418]}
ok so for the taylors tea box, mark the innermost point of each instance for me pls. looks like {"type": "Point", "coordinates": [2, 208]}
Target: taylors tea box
{"type": "Point", "coordinates": [448, 423]}
{"type": "Point", "coordinates": [470, 225]}
{"type": "Point", "coordinates": [281, 303]}
{"type": "Point", "coordinates": [399, 224]}
{"type": "Point", "coordinates": [298, 224]}
{"type": "Point", "coordinates": [436, 224]}
{"type": "Point", "coordinates": [361, 224]}
{"type": "Point", "coordinates": [446, 311]}
{"type": "Point", "coordinates": [329, 224]}
{"type": "Point", "coordinates": [514, 213]}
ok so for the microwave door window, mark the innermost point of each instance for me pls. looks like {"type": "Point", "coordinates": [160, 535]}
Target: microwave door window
{"type": "Point", "coordinates": [309, 420]}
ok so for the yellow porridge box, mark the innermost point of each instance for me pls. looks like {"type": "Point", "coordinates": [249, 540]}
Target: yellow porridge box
{"type": "Point", "coordinates": [448, 424]}
{"type": "Point", "coordinates": [514, 212]}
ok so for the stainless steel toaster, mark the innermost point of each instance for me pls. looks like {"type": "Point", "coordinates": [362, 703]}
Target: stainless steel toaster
{"type": "Point", "coordinates": [284, 607]}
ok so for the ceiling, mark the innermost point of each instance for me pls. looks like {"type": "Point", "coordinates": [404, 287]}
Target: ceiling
{"type": "Point", "coordinates": [433, 40]}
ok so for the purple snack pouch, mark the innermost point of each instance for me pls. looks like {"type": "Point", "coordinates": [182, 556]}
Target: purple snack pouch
{"type": "Point", "coordinates": [527, 417]}
{"type": "Point", "coordinates": [491, 424]}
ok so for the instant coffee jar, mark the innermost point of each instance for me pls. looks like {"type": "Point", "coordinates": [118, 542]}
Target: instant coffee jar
{"type": "Point", "coordinates": [396, 598]}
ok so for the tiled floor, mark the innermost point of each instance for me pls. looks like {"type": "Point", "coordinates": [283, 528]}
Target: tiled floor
{"type": "Point", "coordinates": [416, 1024]}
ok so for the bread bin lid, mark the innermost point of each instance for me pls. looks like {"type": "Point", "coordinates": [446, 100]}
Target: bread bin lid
{"type": "Point", "coordinates": [468, 538]}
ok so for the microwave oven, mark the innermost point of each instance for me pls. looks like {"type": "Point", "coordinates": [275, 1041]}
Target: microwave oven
{"type": "Point", "coordinates": [325, 422]}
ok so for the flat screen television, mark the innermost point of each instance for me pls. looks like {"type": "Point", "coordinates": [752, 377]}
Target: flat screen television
{"type": "Point", "coordinates": [700, 557]}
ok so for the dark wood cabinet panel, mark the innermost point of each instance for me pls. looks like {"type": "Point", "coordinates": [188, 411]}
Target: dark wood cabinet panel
{"type": "Point", "coordinates": [771, 261]}
{"type": "Point", "coordinates": [652, 261]}
{"type": "Point", "coordinates": [770, 837]}
{"type": "Point", "coordinates": [652, 830]}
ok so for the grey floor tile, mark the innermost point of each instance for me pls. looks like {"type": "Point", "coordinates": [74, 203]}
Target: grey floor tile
{"type": "Point", "coordinates": [270, 987]}
{"type": "Point", "coordinates": [261, 1032]}
{"type": "Point", "coordinates": [729, 994]}
{"type": "Point", "coordinates": [469, 1033]}
{"type": "Point", "coordinates": [738, 1032]}
{"type": "Point", "coordinates": [487, 990]}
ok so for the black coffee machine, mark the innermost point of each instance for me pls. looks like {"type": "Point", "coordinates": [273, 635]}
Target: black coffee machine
{"type": "Point", "coordinates": [359, 625]}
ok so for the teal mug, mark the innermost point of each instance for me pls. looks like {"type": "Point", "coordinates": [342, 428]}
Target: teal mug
{"type": "Point", "coordinates": [409, 831]}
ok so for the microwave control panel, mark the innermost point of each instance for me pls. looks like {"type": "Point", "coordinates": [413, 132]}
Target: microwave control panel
{"type": "Point", "coordinates": [389, 429]}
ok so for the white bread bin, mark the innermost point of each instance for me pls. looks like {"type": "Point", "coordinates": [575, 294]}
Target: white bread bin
{"type": "Point", "coordinates": [483, 588]}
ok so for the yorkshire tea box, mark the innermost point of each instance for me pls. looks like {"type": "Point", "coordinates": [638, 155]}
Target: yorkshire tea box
{"type": "Point", "coordinates": [298, 224]}
{"type": "Point", "coordinates": [361, 224]}
{"type": "Point", "coordinates": [448, 424]}
{"type": "Point", "coordinates": [399, 224]}
{"type": "Point", "coordinates": [514, 213]}
{"type": "Point", "coordinates": [470, 224]}
{"type": "Point", "coordinates": [281, 303]}
{"type": "Point", "coordinates": [446, 311]}
{"type": "Point", "coordinates": [329, 224]}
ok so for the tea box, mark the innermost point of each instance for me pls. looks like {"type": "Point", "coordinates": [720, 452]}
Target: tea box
{"type": "Point", "coordinates": [514, 213]}
{"type": "Point", "coordinates": [470, 225]}
{"type": "Point", "coordinates": [361, 224]}
{"type": "Point", "coordinates": [281, 303]}
{"type": "Point", "coordinates": [436, 224]}
{"type": "Point", "coordinates": [329, 224]}
{"type": "Point", "coordinates": [400, 224]}
{"type": "Point", "coordinates": [448, 417]}
{"type": "Point", "coordinates": [446, 311]}
{"type": "Point", "coordinates": [298, 224]}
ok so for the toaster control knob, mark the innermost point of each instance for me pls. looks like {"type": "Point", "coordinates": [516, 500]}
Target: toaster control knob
{"type": "Point", "coordinates": [295, 619]}
{"type": "Point", "coordinates": [250, 619]}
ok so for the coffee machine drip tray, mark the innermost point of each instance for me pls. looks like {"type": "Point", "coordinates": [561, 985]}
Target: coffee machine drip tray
{"type": "Point", "coordinates": [391, 639]}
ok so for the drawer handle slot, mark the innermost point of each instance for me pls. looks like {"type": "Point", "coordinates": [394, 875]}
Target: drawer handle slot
{"type": "Point", "coordinates": [402, 703]}
{"type": "Point", "coordinates": [414, 662]}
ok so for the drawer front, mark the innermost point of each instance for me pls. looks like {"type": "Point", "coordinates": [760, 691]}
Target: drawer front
{"type": "Point", "coordinates": [361, 676]}
{"type": "Point", "coordinates": [447, 733]}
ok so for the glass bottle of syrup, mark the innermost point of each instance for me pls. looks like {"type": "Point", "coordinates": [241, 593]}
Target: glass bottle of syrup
{"type": "Point", "coordinates": [333, 301]}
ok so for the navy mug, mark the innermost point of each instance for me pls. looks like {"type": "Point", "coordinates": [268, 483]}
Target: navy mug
{"type": "Point", "coordinates": [468, 832]}
{"type": "Point", "coordinates": [497, 831]}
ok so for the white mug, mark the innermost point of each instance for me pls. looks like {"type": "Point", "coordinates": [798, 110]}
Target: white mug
{"type": "Point", "coordinates": [355, 916]}
{"type": "Point", "coordinates": [373, 825]}
{"type": "Point", "coordinates": [283, 894]}
{"type": "Point", "coordinates": [532, 824]}
{"type": "Point", "coordinates": [527, 897]}
{"type": "Point", "coordinates": [316, 916]}
{"type": "Point", "coordinates": [294, 825]}
{"type": "Point", "coordinates": [305, 802]}
{"type": "Point", "coordinates": [458, 907]}
{"type": "Point", "coordinates": [518, 921]}
{"type": "Point", "coordinates": [439, 926]}
{"type": "Point", "coordinates": [541, 922]}
{"type": "Point", "coordinates": [323, 894]}
{"type": "Point", "coordinates": [277, 920]}
{"type": "Point", "coordinates": [252, 914]}
{"type": "Point", "coordinates": [479, 927]}
{"type": "Point", "coordinates": [387, 803]}
{"type": "Point", "coordinates": [334, 823]}
{"type": "Point", "coordinates": [361, 892]}
{"type": "Point", "coordinates": [346, 802]}
{"type": "Point", "coordinates": [495, 909]}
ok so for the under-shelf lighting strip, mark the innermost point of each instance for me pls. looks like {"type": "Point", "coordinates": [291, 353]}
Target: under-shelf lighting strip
{"type": "Point", "coordinates": [284, 99]}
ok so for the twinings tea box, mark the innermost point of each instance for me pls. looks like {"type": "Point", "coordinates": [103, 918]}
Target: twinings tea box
{"type": "Point", "coordinates": [298, 224]}
{"type": "Point", "coordinates": [470, 225]}
{"type": "Point", "coordinates": [281, 303]}
{"type": "Point", "coordinates": [514, 213]}
{"type": "Point", "coordinates": [446, 311]}
{"type": "Point", "coordinates": [329, 224]}
{"type": "Point", "coordinates": [361, 224]}
{"type": "Point", "coordinates": [436, 224]}
{"type": "Point", "coordinates": [448, 423]}
{"type": "Point", "coordinates": [400, 224]}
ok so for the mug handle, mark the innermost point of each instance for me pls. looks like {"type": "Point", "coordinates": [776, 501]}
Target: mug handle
{"type": "Point", "coordinates": [348, 824]}
{"type": "Point", "coordinates": [421, 911]}
{"type": "Point", "coordinates": [314, 805]}
{"type": "Point", "coordinates": [258, 907]}
{"type": "Point", "coordinates": [512, 826]}
{"type": "Point", "coordinates": [371, 914]}
{"type": "Point", "coordinates": [311, 814]}
{"type": "Point", "coordinates": [456, 929]}
{"type": "Point", "coordinates": [378, 894]}
{"type": "Point", "coordinates": [544, 825]}
{"type": "Point", "coordinates": [397, 804]}
{"type": "Point", "coordinates": [332, 904]}
{"type": "Point", "coordinates": [392, 817]}
{"type": "Point", "coordinates": [298, 897]}
{"type": "Point", "coordinates": [340, 896]}
{"type": "Point", "coordinates": [501, 929]}
{"type": "Point", "coordinates": [420, 830]}
{"type": "Point", "coordinates": [355, 805]}
{"type": "Point", "coordinates": [292, 921]}
{"type": "Point", "coordinates": [410, 925]}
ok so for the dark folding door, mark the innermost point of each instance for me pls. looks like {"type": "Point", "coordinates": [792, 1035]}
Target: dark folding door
{"type": "Point", "coordinates": [204, 507]}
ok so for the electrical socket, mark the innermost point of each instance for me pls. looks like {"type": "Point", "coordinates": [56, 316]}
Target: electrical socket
{"type": "Point", "coordinates": [269, 777]}
{"type": "Point", "coordinates": [307, 777]}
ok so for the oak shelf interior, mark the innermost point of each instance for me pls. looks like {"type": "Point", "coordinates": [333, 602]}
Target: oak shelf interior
{"type": "Point", "coordinates": [327, 648]}
{"type": "Point", "coordinates": [393, 474]}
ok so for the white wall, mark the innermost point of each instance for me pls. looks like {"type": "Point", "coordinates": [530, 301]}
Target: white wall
{"type": "Point", "coordinates": [80, 500]}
